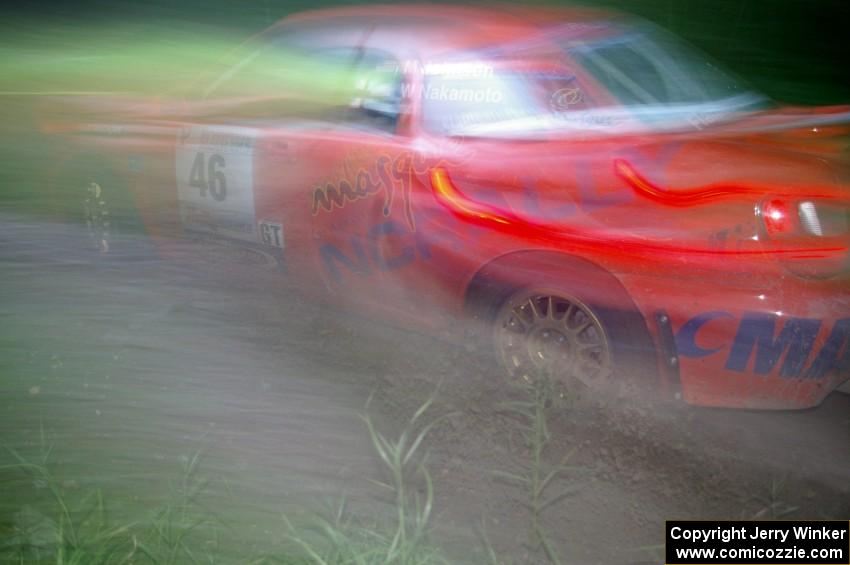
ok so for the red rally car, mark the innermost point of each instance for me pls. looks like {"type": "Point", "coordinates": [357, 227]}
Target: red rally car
{"type": "Point", "coordinates": [592, 190]}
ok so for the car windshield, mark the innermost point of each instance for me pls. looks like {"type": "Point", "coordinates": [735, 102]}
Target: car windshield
{"type": "Point", "coordinates": [607, 79]}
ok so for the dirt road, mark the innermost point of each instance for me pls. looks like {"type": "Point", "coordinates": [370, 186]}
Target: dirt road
{"type": "Point", "coordinates": [128, 368]}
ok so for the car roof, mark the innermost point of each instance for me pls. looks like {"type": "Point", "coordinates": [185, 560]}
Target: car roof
{"type": "Point", "coordinates": [429, 29]}
{"type": "Point", "coordinates": [493, 14]}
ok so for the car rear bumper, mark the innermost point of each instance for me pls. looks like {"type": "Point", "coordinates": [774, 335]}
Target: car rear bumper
{"type": "Point", "coordinates": [750, 342]}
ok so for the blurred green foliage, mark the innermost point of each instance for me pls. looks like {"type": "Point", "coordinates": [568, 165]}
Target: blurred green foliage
{"type": "Point", "coordinates": [789, 49]}
{"type": "Point", "coordinates": [142, 59]}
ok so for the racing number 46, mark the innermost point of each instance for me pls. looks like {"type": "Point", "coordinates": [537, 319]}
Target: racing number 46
{"type": "Point", "coordinates": [209, 178]}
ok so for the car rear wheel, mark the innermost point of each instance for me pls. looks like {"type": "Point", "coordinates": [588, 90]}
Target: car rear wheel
{"type": "Point", "coordinates": [547, 331]}
{"type": "Point", "coordinates": [566, 318]}
{"type": "Point", "coordinates": [588, 344]}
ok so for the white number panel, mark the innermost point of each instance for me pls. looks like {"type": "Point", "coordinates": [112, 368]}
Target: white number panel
{"type": "Point", "coordinates": [214, 168]}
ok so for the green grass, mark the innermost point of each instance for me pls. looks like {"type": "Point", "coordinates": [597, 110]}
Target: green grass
{"type": "Point", "coordinates": [69, 530]}
{"type": "Point", "coordinates": [57, 524]}
{"type": "Point", "coordinates": [537, 477]}
{"type": "Point", "coordinates": [347, 538]}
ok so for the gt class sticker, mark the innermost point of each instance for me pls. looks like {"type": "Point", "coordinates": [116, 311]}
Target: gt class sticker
{"type": "Point", "coordinates": [271, 233]}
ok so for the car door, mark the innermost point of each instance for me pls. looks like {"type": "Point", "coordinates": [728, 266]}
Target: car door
{"type": "Point", "coordinates": [359, 204]}
{"type": "Point", "coordinates": [247, 150]}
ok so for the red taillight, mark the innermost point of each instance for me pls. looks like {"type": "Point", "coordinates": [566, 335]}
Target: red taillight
{"type": "Point", "coordinates": [457, 202]}
{"type": "Point", "coordinates": [778, 216]}
{"type": "Point", "coordinates": [809, 236]}
{"type": "Point", "coordinates": [819, 218]}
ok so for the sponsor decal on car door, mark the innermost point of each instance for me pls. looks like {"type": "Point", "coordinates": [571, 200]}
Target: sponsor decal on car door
{"type": "Point", "coordinates": [215, 175]}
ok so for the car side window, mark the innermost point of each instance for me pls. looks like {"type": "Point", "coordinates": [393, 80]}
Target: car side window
{"type": "Point", "coordinates": [289, 76]}
{"type": "Point", "coordinates": [464, 97]}
{"type": "Point", "coordinates": [632, 76]}
{"type": "Point", "coordinates": [375, 101]}
{"type": "Point", "coordinates": [310, 74]}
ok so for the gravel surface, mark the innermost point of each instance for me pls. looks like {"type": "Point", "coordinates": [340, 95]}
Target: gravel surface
{"type": "Point", "coordinates": [127, 368]}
